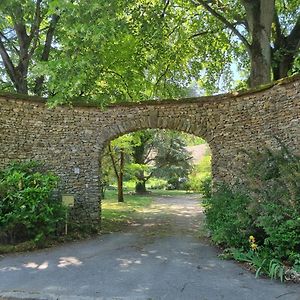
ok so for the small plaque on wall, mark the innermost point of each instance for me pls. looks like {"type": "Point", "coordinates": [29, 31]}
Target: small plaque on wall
{"type": "Point", "coordinates": [68, 200]}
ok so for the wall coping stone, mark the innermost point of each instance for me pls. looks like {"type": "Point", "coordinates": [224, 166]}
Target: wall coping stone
{"type": "Point", "coordinates": [175, 101]}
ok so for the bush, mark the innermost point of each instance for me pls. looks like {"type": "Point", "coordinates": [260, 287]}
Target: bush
{"type": "Point", "coordinates": [227, 217]}
{"type": "Point", "coordinates": [206, 187]}
{"type": "Point", "coordinates": [201, 175]}
{"type": "Point", "coordinates": [27, 210]}
{"type": "Point", "coordinates": [274, 183]}
{"type": "Point", "coordinates": [156, 183]}
{"type": "Point", "coordinates": [266, 205]}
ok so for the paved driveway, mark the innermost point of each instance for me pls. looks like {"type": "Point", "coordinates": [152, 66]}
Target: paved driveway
{"type": "Point", "coordinates": [160, 257]}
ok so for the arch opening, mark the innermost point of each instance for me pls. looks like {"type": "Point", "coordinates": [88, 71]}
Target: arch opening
{"type": "Point", "coordinates": [141, 165]}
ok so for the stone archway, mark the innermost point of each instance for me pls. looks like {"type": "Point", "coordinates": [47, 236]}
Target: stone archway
{"type": "Point", "coordinates": [70, 139]}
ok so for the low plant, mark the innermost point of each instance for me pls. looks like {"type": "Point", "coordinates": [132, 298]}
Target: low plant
{"type": "Point", "coordinates": [260, 259]}
{"type": "Point", "coordinates": [27, 210]}
{"type": "Point", "coordinates": [206, 187]}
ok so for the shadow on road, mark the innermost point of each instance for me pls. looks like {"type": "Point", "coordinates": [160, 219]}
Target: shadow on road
{"type": "Point", "coordinates": [160, 256]}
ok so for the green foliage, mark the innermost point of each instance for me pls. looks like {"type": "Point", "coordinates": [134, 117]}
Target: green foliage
{"type": "Point", "coordinates": [276, 269]}
{"type": "Point", "coordinates": [150, 153]}
{"type": "Point", "coordinates": [274, 182]}
{"type": "Point", "coordinates": [157, 183]}
{"type": "Point", "coordinates": [200, 177]}
{"type": "Point", "coordinates": [259, 262]}
{"type": "Point", "coordinates": [172, 159]}
{"type": "Point", "coordinates": [111, 51]}
{"type": "Point", "coordinates": [27, 210]}
{"type": "Point", "coordinates": [206, 187]}
{"type": "Point", "coordinates": [266, 206]}
{"type": "Point", "coordinates": [227, 217]}
{"type": "Point", "coordinates": [192, 140]}
{"type": "Point", "coordinates": [262, 262]}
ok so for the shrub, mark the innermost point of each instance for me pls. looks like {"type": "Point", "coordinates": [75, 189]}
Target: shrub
{"type": "Point", "coordinates": [267, 206]}
{"type": "Point", "coordinates": [156, 183]}
{"type": "Point", "coordinates": [201, 175]}
{"type": "Point", "coordinates": [227, 217]}
{"type": "Point", "coordinates": [206, 187]}
{"type": "Point", "coordinates": [27, 210]}
{"type": "Point", "coordinates": [274, 183]}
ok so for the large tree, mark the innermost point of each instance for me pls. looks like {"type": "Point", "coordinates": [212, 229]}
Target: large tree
{"type": "Point", "coordinates": [123, 50]}
{"type": "Point", "coordinates": [26, 37]}
{"type": "Point", "coordinates": [269, 31]}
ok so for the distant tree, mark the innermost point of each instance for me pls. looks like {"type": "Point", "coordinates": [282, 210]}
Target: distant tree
{"type": "Point", "coordinates": [160, 154]}
{"type": "Point", "coordinates": [141, 159]}
{"type": "Point", "coordinates": [143, 155]}
{"type": "Point", "coordinates": [172, 161]}
{"type": "Point", "coordinates": [117, 157]}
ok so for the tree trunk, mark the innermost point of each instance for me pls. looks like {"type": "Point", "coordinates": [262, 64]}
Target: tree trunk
{"type": "Point", "coordinates": [140, 187]}
{"type": "Point", "coordinates": [46, 52]}
{"type": "Point", "coordinates": [259, 14]}
{"type": "Point", "coordinates": [285, 48]}
{"type": "Point", "coordinates": [283, 66]}
{"type": "Point", "coordinates": [120, 190]}
{"type": "Point", "coordinates": [138, 156]}
{"type": "Point", "coordinates": [120, 174]}
{"type": "Point", "coordinates": [21, 85]}
{"type": "Point", "coordinates": [260, 63]}
{"type": "Point", "coordinates": [120, 177]}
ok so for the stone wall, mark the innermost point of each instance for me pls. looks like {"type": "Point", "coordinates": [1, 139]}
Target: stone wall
{"type": "Point", "coordinates": [70, 140]}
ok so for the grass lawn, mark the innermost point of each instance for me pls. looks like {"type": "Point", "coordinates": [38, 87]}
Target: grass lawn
{"type": "Point", "coordinates": [117, 215]}
{"type": "Point", "coordinates": [169, 192]}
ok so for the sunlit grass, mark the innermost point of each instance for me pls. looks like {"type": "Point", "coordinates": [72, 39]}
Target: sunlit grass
{"type": "Point", "coordinates": [116, 215]}
{"type": "Point", "coordinates": [169, 192]}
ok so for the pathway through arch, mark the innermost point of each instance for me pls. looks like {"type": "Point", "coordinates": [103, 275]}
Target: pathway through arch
{"type": "Point", "coordinates": [159, 257]}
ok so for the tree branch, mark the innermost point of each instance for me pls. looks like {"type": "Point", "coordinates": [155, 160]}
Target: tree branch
{"type": "Point", "coordinates": [146, 178]}
{"type": "Point", "coordinates": [147, 161]}
{"type": "Point", "coordinates": [224, 21]}
{"type": "Point", "coordinates": [278, 32]}
{"type": "Point", "coordinates": [9, 42]}
{"type": "Point", "coordinates": [20, 29]}
{"type": "Point", "coordinates": [9, 67]}
{"type": "Point", "coordinates": [293, 40]}
{"type": "Point", "coordinates": [201, 33]}
{"type": "Point", "coordinates": [165, 8]}
{"type": "Point", "coordinates": [46, 51]}
{"type": "Point", "coordinates": [34, 31]}
{"type": "Point", "coordinates": [162, 75]}
{"type": "Point", "coordinates": [147, 157]}
{"type": "Point", "coordinates": [124, 81]}
{"type": "Point", "coordinates": [113, 160]}
{"type": "Point", "coordinates": [49, 37]}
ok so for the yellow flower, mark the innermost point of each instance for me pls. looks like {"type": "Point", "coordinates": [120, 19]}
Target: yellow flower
{"type": "Point", "coordinates": [251, 239]}
{"type": "Point", "coordinates": [253, 246]}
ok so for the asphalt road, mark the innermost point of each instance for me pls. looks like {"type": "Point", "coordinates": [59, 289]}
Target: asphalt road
{"type": "Point", "coordinates": [160, 257]}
